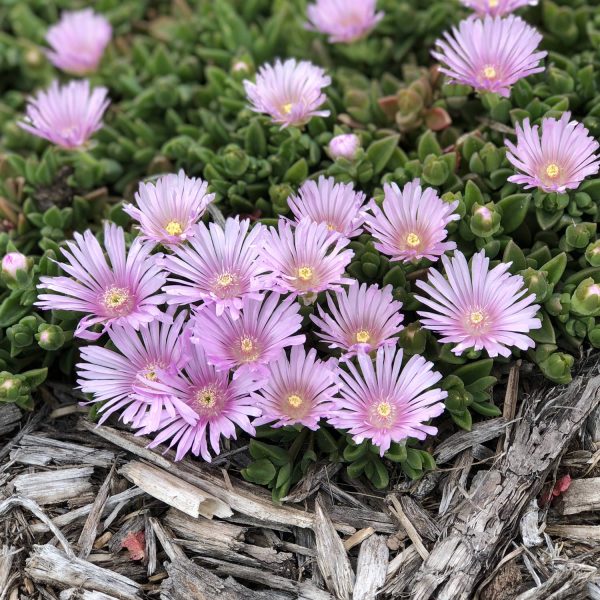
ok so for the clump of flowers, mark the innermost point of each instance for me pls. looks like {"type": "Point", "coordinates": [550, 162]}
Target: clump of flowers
{"type": "Point", "coordinates": [66, 115]}
{"type": "Point", "coordinates": [290, 92]}
{"type": "Point", "coordinates": [360, 319]}
{"type": "Point", "coordinates": [343, 21]}
{"type": "Point", "coordinates": [307, 258]}
{"type": "Point", "coordinates": [496, 8]}
{"type": "Point", "coordinates": [78, 41]}
{"type": "Point", "coordinates": [337, 205]}
{"type": "Point", "coordinates": [168, 209]}
{"type": "Point", "coordinates": [386, 403]}
{"type": "Point", "coordinates": [490, 54]}
{"type": "Point", "coordinates": [411, 223]}
{"type": "Point", "coordinates": [298, 390]}
{"type": "Point", "coordinates": [479, 308]}
{"type": "Point", "coordinates": [556, 158]}
{"type": "Point", "coordinates": [118, 291]}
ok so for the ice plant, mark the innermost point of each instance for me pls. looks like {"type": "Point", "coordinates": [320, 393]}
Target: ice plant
{"type": "Point", "coordinates": [386, 403]}
{"type": "Point", "coordinates": [66, 115]}
{"type": "Point", "coordinates": [167, 210]}
{"type": "Point", "coordinates": [496, 8]}
{"type": "Point", "coordinates": [118, 379]}
{"type": "Point", "coordinates": [264, 328]}
{"type": "Point", "coordinates": [343, 20]}
{"type": "Point", "coordinates": [557, 158]}
{"type": "Point", "coordinates": [337, 205]}
{"type": "Point", "coordinates": [345, 145]}
{"type": "Point", "coordinates": [208, 406]}
{"type": "Point", "coordinates": [307, 258]}
{"type": "Point", "coordinates": [411, 223]}
{"type": "Point", "coordinates": [219, 267]}
{"type": "Point", "coordinates": [360, 319]}
{"type": "Point", "coordinates": [116, 291]}
{"type": "Point", "coordinates": [290, 92]}
{"type": "Point", "coordinates": [13, 262]}
{"type": "Point", "coordinates": [298, 390]}
{"type": "Point", "coordinates": [478, 308]}
{"type": "Point", "coordinates": [78, 41]}
{"type": "Point", "coordinates": [490, 54]}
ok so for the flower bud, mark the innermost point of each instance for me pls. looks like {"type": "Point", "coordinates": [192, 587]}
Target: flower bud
{"type": "Point", "coordinates": [13, 262]}
{"type": "Point", "coordinates": [537, 283]}
{"type": "Point", "coordinates": [557, 367]}
{"type": "Point", "coordinates": [485, 221]}
{"type": "Point", "coordinates": [344, 146]}
{"type": "Point", "coordinates": [592, 254]}
{"type": "Point", "coordinates": [50, 337]}
{"type": "Point", "coordinates": [413, 338]}
{"type": "Point", "coordinates": [586, 299]}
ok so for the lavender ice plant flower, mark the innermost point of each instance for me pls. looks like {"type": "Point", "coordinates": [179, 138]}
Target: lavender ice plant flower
{"type": "Point", "coordinates": [298, 390]}
{"type": "Point", "coordinates": [557, 158]}
{"type": "Point", "coordinates": [306, 259]}
{"type": "Point", "coordinates": [411, 223]}
{"type": "Point", "coordinates": [360, 319]}
{"type": "Point", "coordinates": [208, 406]}
{"type": "Point", "coordinates": [220, 267]}
{"type": "Point", "coordinates": [490, 54]}
{"type": "Point", "coordinates": [119, 379]}
{"type": "Point", "coordinates": [344, 21]}
{"type": "Point", "coordinates": [496, 8]}
{"type": "Point", "coordinates": [66, 115]}
{"type": "Point", "coordinates": [249, 343]}
{"type": "Point", "coordinates": [118, 291]}
{"type": "Point", "coordinates": [337, 205]}
{"type": "Point", "coordinates": [78, 41]}
{"type": "Point", "coordinates": [290, 92]}
{"type": "Point", "coordinates": [478, 308]}
{"type": "Point", "coordinates": [168, 209]}
{"type": "Point", "coordinates": [386, 403]}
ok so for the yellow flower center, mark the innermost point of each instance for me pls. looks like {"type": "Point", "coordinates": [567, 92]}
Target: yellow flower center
{"type": "Point", "coordinates": [305, 273]}
{"type": "Point", "coordinates": [246, 345]}
{"type": "Point", "coordinates": [206, 398]}
{"type": "Point", "coordinates": [174, 228]}
{"type": "Point", "coordinates": [286, 109]}
{"type": "Point", "coordinates": [151, 376]}
{"type": "Point", "coordinates": [384, 409]}
{"type": "Point", "coordinates": [330, 227]}
{"type": "Point", "coordinates": [294, 400]}
{"type": "Point", "coordinates": [363, 336]}
{"type": "Point", "coordinates": [225, 279]}
{"type": "Point", "coordinates": [115, 297]}
{"type": "Point", "coordinates": [489, 72]}
{"type": "Point", "coordinates": [493, 3]}
{"type": "Point", "coordinates": [413, 240]}
{"type": "Point", "coordinates": [476, 317]}
{"type": "Point", "coordinates": [552, 170]}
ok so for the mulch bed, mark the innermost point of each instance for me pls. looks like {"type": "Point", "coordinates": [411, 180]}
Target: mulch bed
{"type": "Point", "coordinates": [89, 513]}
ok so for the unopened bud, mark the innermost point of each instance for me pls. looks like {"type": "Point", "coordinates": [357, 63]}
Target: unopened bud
{"type": "Point", "coordinates": [345, 145]}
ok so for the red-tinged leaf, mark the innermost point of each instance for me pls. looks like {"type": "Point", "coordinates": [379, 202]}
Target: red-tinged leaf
{"type": "Point", "coordinates": [389, 105]}
{"type": "Point", "coordinates": [437, 119]}
{"type": "Point", "coordinates": [135, 542]}
{"type": "Point", "coordinates": [562, 485]}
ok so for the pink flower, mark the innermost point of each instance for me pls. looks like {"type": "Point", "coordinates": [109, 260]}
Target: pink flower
{"type": "Point", "coordinates": [335, 204]}
{"type": "Point", "coordinates": [120, 379]}
{"type": "Point", "coordinates": [13, 262]}
{"type": "Point", "coordinates": [386, 403]}
{"type": "Point", "coordinates": [496, 8]}
{"type": "Point", "coordinates": [208, 406]}
{"type": "Point", "coordinates": [290, 92]}
{"type": "Point", "coordinates": [490, 54]}
{"type": "Point", "coordinates": [298, 391]}
{"type": "Point", "coordinates": [343, 20]}
{"type": "Point", "coordinates": [66, 116]}
{"type": "Point", "coordinates": [78, 41]}
{"type": "Point", "coordinates": [167, 210]}
{"type": "Point", "coordinates": [411, 224]}
{"type": "Point", "coordinates": [558, 160]}
{"type": "Point", "coordinates": [362, 319]}
{"type": "Point", "coordinates": [220, 267]}
{"type": "Point", "coordinates": [260, 334]}
{"type": "Point", "coordinates": [345, 145]}
{"type": "Point", "coordinates": [306, 259]}
{"type": "Point", "coordinates": [479, 309]}
{"type": "Point", "coordinates": [119, 291]}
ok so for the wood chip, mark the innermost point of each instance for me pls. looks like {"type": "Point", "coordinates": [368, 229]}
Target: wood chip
{"type": "Point", "coordinates": [57, 485]}
{"type": "Point", "coordinates": [371, 568]}
{"type": "Point", "coordinates": [332, 559]}
{"type": "Point", "coordinates": [529, 527]}
{"type": "Point", "coordinates": [10, 416]}
{"type": "Point", "coordinates": [47, 564]}
{"type": "Point", "coordinates": [358, 538]}
{"type": "Point", "coordinates": [583, 495]}
{"type": "Point", "coordinates": [412, 533]}
{"type": "Point", "coordinates": [568, 583]}
{"type": "Point", "coordinates": [581, 533]}
{"type": "Point", "coordinates": [75, 594]}
{"type": "Point", "coordinates": [173, 491]}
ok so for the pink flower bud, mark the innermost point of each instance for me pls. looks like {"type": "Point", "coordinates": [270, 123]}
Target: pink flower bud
{"type": "Point", "coordinates": [344, 146]}
{"type": "Point", "coordinates": [12, 262]}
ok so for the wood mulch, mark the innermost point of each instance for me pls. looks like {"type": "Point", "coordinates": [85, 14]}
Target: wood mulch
{"type": "Point", "coordinates": [90, 513]}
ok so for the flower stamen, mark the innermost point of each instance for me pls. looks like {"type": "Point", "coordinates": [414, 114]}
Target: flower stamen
{"type": "Point", "coordinates": [384, 409]}
{"type": "Point", "coordinates": [174, 228]}
{"type": "Point", "coordinates": [294, 400]}
{"type": "Point", "coordinates": [286, 109]}
{"type": "Point", "coordinates": [116, 299]}
{"type": "Point", "coordinates": [413, 240]}
{"type": "Point", "coordinates": [305, 273]}
{"type": "Point", "coordinates": [553, 170]}
{"type": "Point", "coordinates": [489, 72]}
{"type": "Point", "coordinates": [225, 279]}
{"type": "Point", "coordinates": [363, 336]}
